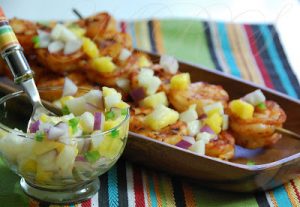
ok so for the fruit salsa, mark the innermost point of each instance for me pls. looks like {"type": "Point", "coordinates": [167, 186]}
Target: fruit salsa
{"type": "Point", "coordinates": [89, 137]}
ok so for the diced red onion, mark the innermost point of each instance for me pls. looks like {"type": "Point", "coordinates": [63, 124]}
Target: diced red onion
{"type": "Point", "coordinates": [203, 116]}
{"type": "Point", "coordinates": [207, 129]}
{"type": "Point", "coordinates": [70, 87]}
{"type": "Point", "coordinates": [138, 94]}
{"type": "Point", "coordinates": [34, 127]}
{"type": "Point", "coordinates": [80, 158]}
{"type": "Point", "coordinates": [55, 133]}
{"type": "Point", "coordinates": [184, 144]}
{"type": "Point", "coordinates": [97, 120]}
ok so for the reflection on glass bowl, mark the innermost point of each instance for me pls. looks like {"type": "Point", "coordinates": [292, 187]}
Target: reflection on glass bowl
{"type": "Point", "coordinates": [54, 171]}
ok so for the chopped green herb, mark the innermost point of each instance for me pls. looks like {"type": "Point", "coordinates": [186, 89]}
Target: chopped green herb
{"type": "Point", "coordinates": [92, 156]}
{"type": "Point", "coordinates": [124, 112]}
{"type": "Point", "coordinates": [262, 106]}
{"type": "Point", "coordinates": [36, 41]}
{"type": "Point", "coordinates": [39, 136]}
{"type": "Point", "coordinates": [250, 163]}
{"type": "Point", "coordinates": [114, 133]}
{"type": "Point", "coordinates": [109, 115]}
{"type": "Point", "coordinates": [65, 110]}
{"type": "Point", "coordinates": [73, 123]}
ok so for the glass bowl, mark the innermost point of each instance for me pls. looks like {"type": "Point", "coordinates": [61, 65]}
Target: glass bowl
{"type": "Point", "coordinates": [53, 171]}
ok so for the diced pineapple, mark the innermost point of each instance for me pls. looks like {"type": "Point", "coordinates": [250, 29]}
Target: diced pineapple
{"type": "Point", "coordinates": [155, 100]}
{"type": "Point", "coordinates": [107, 91]}
{"type": "Point", "coordinates": [143, 62]}
{"type": "Point", "coordinates": [214, 108]}
{"type": "Point", "coordinates": [77, 106]}
{"type": "Point", "coordinates": [44, 118]}
{"type": "Point", "coordinates": [214, 121]}
{"type": "Point", "coordinates": [190, 114]}
{"type": "Point", "coordinates": [103, 64]}
{"type": "Point", "coordinates": [90, 48]}
{"type": "Point", "coordinates": [78, 31]}
{"type": "Point", "coordinates": [64, 99]}
{"type": "Point", "coordinates": [110, 147]}
{"type": "Point", "coordinates": [161, 117]}
{"type": "Point", "coordinates": [109, 124]}
{"type": "Point", "coordinates": [46, 146]}
{"type": "Point", "coordinates": [121, 105]}
{"type": "Point", "coordinates": [28, 166]}
{"type": "Point", "coordinates": [241, 109]}
{"type": "Point", "coordinates": [180, 81]}
{"type": "Point", "coordinates": [43, 176]}
{"type": "Point", "coordinates": [205, 136]}
{"type": "Point", "coordinates": [65, 160]}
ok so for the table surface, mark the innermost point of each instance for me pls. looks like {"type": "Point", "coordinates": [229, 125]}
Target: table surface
{"type": "Point", "coordinates": [284, 14]}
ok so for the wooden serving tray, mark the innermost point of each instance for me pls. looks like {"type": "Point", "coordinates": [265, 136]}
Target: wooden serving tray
{"type": "Point", "coordinates": [274, 166]}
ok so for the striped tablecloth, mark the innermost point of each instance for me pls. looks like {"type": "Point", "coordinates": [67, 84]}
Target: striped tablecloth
{"type": "Point", "coordinates": [252, 52]}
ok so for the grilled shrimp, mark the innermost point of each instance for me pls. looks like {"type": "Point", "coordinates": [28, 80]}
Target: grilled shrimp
{"type": "Point", "coordinates": [25, 31]}
{"type": "Point", "coordinates": [60, 63]}
{"type": "Point", "coordinates": [171, 134]}
{"type": "Point", "coordinates": [258, 131]}
{"type": "Point", "coordinates": [222, 148]}
{"type": "Point", "coordinates": [199, 93]}
{"type": "Point", "coordinates": [98, 25]}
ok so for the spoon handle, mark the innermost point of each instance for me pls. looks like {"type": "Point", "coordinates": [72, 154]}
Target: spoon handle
{"type": "Point", "coordinates": [12, 52]}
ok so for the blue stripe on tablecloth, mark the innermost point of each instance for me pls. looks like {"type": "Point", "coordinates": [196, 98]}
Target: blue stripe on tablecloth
{"type": "Point", "coordinates": [151, 36]}
{"type": "Point", "coordinates": [152, 190]}
{"type": "Point", "coordinates": [211, 46]}
{"type": "Point", "coordinates": [113, 195]}
{"type": "Point", "coordinates": [227, 50]}
{"type": "Point", "coordinates": [277, 62]}
{"type": "Point", "coordinates": [282, 197]}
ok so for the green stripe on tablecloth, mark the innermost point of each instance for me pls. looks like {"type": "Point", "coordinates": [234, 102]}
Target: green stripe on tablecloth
{"type": "Point", "coordinates": [185, 39]}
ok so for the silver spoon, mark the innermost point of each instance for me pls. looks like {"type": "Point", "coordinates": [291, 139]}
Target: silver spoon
{"type": "Point", "coordinates": [12, 52]}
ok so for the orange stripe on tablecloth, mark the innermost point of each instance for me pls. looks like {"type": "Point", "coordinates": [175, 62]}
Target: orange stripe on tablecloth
{"type": "Point", "coordinates": [292, 194]}
{"type": "Point", "coordinates": [273, 199]}
{"type": "Point", "coordinates": [218, 48]}
{"type": "Point", "coordinates": [188, 195]}
{"type": "Point", "coordinates": [157, 190]}
{"type": "Point", "coordinates": [244, 45]}
{"type": "Point", "coordinates": [238, 56]}
{"type": "Point", "coordinates": [158, 36]}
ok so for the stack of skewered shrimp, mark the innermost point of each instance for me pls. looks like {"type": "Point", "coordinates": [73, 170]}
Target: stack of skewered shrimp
{"type": "Point", "coordinates": [165, 105]}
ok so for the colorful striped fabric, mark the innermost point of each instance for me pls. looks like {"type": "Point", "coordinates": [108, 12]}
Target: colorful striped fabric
{"type": "Point", "coordinates": [252, 52]}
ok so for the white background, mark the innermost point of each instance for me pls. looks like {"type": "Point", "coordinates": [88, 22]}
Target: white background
{"type": "Point", "coordinates": [285, 14]}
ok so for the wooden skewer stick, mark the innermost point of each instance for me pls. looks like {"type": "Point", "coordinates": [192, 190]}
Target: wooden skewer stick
{"type": "Point", "coordinates": [288, 132]}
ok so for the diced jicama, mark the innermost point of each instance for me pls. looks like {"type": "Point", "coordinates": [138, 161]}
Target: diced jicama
{"type": "Point", "coordinates": [216, 107]}
{"type": "Point", "coordinates": [205, 136]}
{"type": "Point", "coordinates": [193, 127]}
{"type": "Point", "coordinates": [123, 83]}
{"type": "Point", "coordinates": [94, 97]}
{"type": "Point", "coordinates": [65, 160]}
{"type": "Point", "coordinates": [55, 132]}
{"type": "Point", "coordinates": [47, 160]}
{"type": "Point", "coordinates": [147, 80]}
{"type": "Point", "coordinates": [76, 105]}
{"type": "Point", "coordinates": [254, 98]}
{"type": "Point", "coordinates": [70, 87]}
{"type": "Point", "coordinates": [87, 122]}
{"type": "Point", "coordinates": [198, 147]}
{"type": "Point", "coordinates": [111, 100]}
{"type": "Point", "coordinates": [169, 63]}
{"type": "Point", "coordinates": [55, 46]}
{"type": "Point", "coordinates": [124, 54]}
{"type": "Point", "coordinates": [189, 115]}
{"type": "Point", "coordinates": [225, 123]}
{"type": "Point", "coordinates": [72, 46]}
